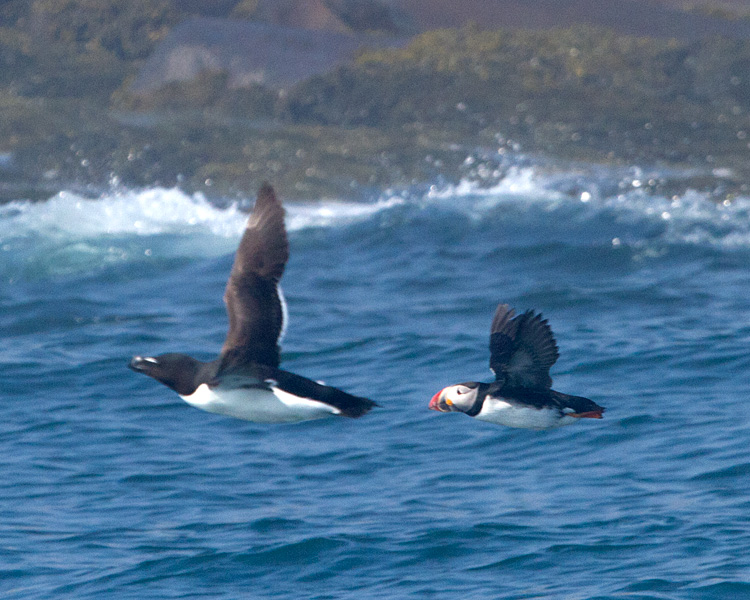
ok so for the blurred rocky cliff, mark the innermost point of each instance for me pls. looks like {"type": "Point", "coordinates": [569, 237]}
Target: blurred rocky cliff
{"type": "Point", "coordinates": [278, 43]}
{"type": "Point", "coordinates": [330, 96]}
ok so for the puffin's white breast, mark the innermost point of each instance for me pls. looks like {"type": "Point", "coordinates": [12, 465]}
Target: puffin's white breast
{"type": "Point", "coordinates": [502, 412]}
{"type": "Point", "coordinates": [261, 405]}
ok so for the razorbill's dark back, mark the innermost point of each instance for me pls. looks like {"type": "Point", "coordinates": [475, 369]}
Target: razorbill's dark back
{"type": "Point", "coordinates": [245, 380]}
{"type": "Point", "coordinates": [522, 350]}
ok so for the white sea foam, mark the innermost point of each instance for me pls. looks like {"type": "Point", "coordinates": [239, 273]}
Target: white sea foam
{"type": "Point", "coordinates": [146, 212]}
{"type": "Point", "coordinates": [327, 214]}
{"type": "Point", "coordinates": [158, 211]}
{"type": "Point", "coordinates": [518, 181]}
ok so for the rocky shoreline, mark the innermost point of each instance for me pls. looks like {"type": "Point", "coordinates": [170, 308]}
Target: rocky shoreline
{"type": "Point", "coordinates": [395, 117]}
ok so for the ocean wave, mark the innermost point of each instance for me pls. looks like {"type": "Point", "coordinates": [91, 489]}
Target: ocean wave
{"type": "Point", "coordinates": [77, 233]}
{"type": "Point", "coordinates": [692, 218]}
{"type": "Point", "coordinates": [158, 211]}
{"type": "Point", "coordinates": [71, 233]}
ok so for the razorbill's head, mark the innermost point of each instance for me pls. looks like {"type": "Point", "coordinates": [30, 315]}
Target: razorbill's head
{"type": "Point", "coordinates": [456, 398]}
{"type": "Point", "coordinates": [177, 371]}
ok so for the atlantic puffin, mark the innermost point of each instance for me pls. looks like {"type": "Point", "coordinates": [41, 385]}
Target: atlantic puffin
{"type": "Point", "coordinates": [245, 380]}
{"type": "Point", "coordinates": [522, 350]}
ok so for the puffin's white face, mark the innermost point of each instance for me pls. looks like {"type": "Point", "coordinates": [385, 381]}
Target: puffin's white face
{"type": "Point", "coordinates": [455, 398]}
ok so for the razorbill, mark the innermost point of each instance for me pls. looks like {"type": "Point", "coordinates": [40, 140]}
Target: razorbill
{"type": "Point", "coordinates": [245, 380]}
{"type": "Point", "coordinates": [522, 350]}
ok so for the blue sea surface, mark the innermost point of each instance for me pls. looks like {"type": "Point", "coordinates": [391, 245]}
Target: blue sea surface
{"type": "Point", "coordinates": [112, 487]}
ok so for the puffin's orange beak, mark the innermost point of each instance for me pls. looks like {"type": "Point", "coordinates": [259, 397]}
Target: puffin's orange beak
{"type": "Point", "coordinates": [435, 402]}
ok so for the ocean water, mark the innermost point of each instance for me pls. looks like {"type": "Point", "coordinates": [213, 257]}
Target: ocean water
{"type": "Point", "coordinates": [112, 487]}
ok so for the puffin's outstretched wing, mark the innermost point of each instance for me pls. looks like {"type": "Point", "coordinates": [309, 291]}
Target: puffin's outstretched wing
{"type": "Point", "coordinates": [522, 348]}
{"type": "Point", "coordinates": [252, 296]}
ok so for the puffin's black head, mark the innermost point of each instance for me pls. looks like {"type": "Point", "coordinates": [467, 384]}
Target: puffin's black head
{"type": "Point", "coordinates": [456, 398]}
{"type": "Point", "coordinates": [177, 371]}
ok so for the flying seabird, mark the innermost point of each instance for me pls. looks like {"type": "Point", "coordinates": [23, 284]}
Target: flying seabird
{"type": "Point", "coordinates": [245, 380]}
{"type": "Point", "coordinates": [522, 350]}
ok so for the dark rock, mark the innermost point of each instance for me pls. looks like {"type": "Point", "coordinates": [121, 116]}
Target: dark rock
{"type": "Point", "coordinates": [250, 53]}
{"type": "Point", "coordinates": [632, 17]}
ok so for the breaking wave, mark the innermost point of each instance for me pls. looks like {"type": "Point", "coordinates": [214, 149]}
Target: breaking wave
{"type": "Point", "coordinates": [74, 232]}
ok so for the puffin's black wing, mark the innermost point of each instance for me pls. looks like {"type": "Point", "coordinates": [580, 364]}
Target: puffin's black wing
{"type": "Point", "coordinates": [522, 348]}
{"type": "Point", "coordinates": [254, 303]}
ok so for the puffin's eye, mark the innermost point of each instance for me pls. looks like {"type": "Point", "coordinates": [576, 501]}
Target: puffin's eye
{"type": "Point", "coordinates": [461, 390]}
